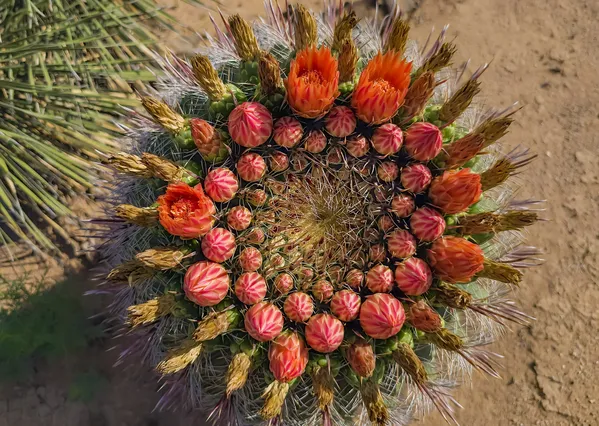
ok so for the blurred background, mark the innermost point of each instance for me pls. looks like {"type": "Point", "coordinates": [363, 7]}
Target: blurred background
{"type": "Point", "coordinates": [56, 361]}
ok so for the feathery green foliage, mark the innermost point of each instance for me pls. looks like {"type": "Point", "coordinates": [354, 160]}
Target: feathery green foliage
{"type": "Point", "coordinates": [66, 69]}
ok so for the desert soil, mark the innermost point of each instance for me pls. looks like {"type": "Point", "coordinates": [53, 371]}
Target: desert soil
{"type": "Point", "coordinates": [545, 54]}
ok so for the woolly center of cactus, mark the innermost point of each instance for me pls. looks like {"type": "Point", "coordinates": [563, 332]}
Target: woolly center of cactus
{"type": "Point", "coordinates": [322, 215]}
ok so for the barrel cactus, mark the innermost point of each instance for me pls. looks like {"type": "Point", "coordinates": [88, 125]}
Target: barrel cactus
{"type": "Point", "coordinates": [315, 225]}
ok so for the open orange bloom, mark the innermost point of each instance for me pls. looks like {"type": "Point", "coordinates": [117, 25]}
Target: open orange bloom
{"type": "Point", "coordinates": [312, 84]}
{"type": "Point", "coordinates": [186, 211]}
{"type": "Point", "coordinates": [382, 88]}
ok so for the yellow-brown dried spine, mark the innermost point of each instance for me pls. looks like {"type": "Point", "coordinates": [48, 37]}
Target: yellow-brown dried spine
{"type": "Point", "coordinates": [269, 72]}
{"type": "Point", "coordinates": [483, 223]}
{"type": "Point", "coordinates": [207, 77]}
{"type": "Point", "coordinates": [494, 129]}
{"type": "Point", "coordinates": [274, 397]}
{"type": "Point", "coordinates": [212, 326]}
{"type": "Point", "coordinates": [409, 362]}
{"type": "Point", "coordinates": [323, 384]}
{"type": "Point", "coordinates": [398, 37]}
{"type": "Point", "coordinates": [237, 373]}
{"type": "Point", "coordinates": [164, 114]}
{"type": "Point", "coordinates": [151, 311]}
{"type": "Point", "coordinates": [460, 100]}
{"type": "Point", "coordinates": [502, 272]}
{"type": "Point", "coordinates": [497, 174]}
{"type": "Point", "coordinates": [417, 96]}
{"type": "Point", "coordinates": [128, 163]}
{"type": "Point", "coordinates": [463, 150]}
{"type": "Point", "coordinates": [441, 59]}
{"type": "Point", "coordinates": [132, 271]}
{"type": "Point", "coordinates": [161, 258]}
{"type": "Point", "coordinates": [343, 30]}
{"type": "Point", "coordinates": [348, 60]}
{"type": "Point", "coordinates": [142, 216]}
{"type": "Point", "coordinates": [180, 357]}
{"type": "Point", "coordinates": [306, 30]}
{"type": "Point", "coordinates": [445, 339]}
{"type": "Point", "coordinates": [246, 44]}
{"type": "Point", "coordinates": [373, 401]}
{"type": "Point", "coordinates": [164, 169]}
{"type": "Point", "coordinates": [452, 296]}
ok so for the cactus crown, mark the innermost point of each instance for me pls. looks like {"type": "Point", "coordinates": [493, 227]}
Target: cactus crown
{"type": "Point", "coordinates": [308, 242]}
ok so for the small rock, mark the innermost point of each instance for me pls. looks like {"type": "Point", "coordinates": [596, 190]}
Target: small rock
{"type": "Point", "coordinates": [510, 67]}
{"type": "Point", "coordinates": [580, 157]}
{"type": "Point", "coordinates": [548, 154]}
{"type": "Point", "coordinates": [539, 100]}
{"type": "Point", "coordinates": [558, 55]}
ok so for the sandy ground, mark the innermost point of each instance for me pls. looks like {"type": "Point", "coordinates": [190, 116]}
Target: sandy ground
{"type": "Point", "coordinates": [545, 53]}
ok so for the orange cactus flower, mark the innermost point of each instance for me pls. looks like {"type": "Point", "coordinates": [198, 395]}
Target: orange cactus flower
{"type": "Point", "coordinates": [186, 211]}
{"type": "Point", "coordinates": [455, 190]}
{"type": "Point", "coordinates": [382, 87]}
{"type": "Point", "coordinates": [312, 84]}
{"type": "Point", "coordinates": [455, 259]}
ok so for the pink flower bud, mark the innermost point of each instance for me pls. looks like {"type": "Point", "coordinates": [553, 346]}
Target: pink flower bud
{"type": "Point", "coordinates": [278, 161]}
{"type": "Point", "coordinates": [361, 358]}
{"type": "Point", "coordinates": [354, 278]}
{"type": "Point", "coordinates": [377, 253]}
{"type": "Point", "coordinates": [335, 155]}
{"type": "Point", "coordinates": [288, 132]}
{"type": "Point", "coordinates": [387, 171]}
{"type": "Point", "coordinates": [379, 279]}
{"type": "Point", "coordinates": [401, 244]}
{"type": "Point", "coordinates": [427, 224]}
{"type": "Point", "coordinates": [218, 245]}
{"type": "Point", "coordinates": [416, 178]}
{"type": "Point", "coordinates": [315, 142]}
{"type": "Point", "coordinates": [298, 307]}
{"type": "Point", "coordinates": [206, 283]}
{"type": "Point", "coordinates": [250, 288]}
{"type": "Point", "coordinates": [323, 290]}
{"type": "Point", "coordinates": [209, 141]}
{"type": "Point", "coordinates": [221, 184]}
{"type": "Point", "coordinates": [381, 316]}
{"type": "Point", "coordinates": [251, 167]}
{"type": "Point", "coordinates": [423, 141]}
{"type": "Point", "coordinates": [385, 223]}
{"type": "Point", "coordinates": [255, 236]}
{"type": "Point", "coordinates": [424, 318]}
{"type": "Point", "coordinates": [387, 139]}
{"type": "Point", "coordinates": [256, 197]}
{"type": "Point", "coordinates": [239, 218]}
{"type": "Point", "coordinates": [284, 283]}
{"type": "Point", "coordinates": [263, 321]}
{"type": "Point", "coordinates": [299, 161]}
{"type": "Point", "coordinates": [413, 276]}
{"type": "Point", "coordinates": [250, 124]}
{"type": "Point", "coordinates": [345, 305]}
{"type": "Point", "coordinates": [402, 205]}
{"type": "Point", "coordinates": [324, 333]}
{"type": "Point", "coordinates": [250, 259]}
{"type": "Point", "coordinates": [340, 122]}
{"type": "Point", "coordinates": [357, 146]}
